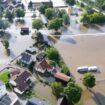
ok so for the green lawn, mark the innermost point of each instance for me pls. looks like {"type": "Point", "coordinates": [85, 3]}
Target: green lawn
{"type": "Point", "coordinates": [4, 76]}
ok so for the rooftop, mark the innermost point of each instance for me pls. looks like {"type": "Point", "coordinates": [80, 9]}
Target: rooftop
{"type": "Point", "coordinates": [36, 101]}
{"type": "Point", "coordinates": [44, 65]}
{"type": "Point", "coordinates": [8, 99]}
{"type": "Point", "coordinates": [62, 76]}
{"type": "Point", "coordinates": [21, 80]}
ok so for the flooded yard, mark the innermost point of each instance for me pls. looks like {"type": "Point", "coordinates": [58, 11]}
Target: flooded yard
{"type": "Point", "coordinates": [45, 92]}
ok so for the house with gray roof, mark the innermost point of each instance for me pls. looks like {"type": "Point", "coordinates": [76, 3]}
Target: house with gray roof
{"type": "Point", "coordinates": [36, 101]}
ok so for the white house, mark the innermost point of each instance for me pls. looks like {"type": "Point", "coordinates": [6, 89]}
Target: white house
{"type": "Point", "coordinates": [3, 90]}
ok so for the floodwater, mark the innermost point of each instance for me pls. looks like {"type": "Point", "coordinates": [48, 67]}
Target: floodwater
{"type": "Point", "coordinates": [46, 93]}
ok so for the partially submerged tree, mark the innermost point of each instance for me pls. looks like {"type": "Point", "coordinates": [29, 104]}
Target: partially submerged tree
{"type": "Point", "coordinates": [65, 70]}
{"type": "Point", "coordinates": [4, 24]}
{"type": "Point", "coordinates": [89, 80]}
{"type": "Point", "coordinates": [71, 2]}
{"type": "Point", "coordinates": [9, 15]}
{"type": "Point", "coordinates": [43, 7]}
{"type": "Point", "coordinates": [55, 23]}
{"type": "Point", "coordinates": [57, 88]}
{"type": "Point", "coordinates": [6, 44]}
{"type": "Point", "coordinates": [52, 54]}
{"type": "Point", "coordinates": [30, 5]}
{"type": "Point", "coordinates": [49, 12]}
{"type": "Point", "coordinates": [37, 24]}
{"type": "Point", "coordinates": [20, 13]}
{"type": "Point", "coordinates": [66, 19]}
{"type": "Point", "coordinates": [73, 93]}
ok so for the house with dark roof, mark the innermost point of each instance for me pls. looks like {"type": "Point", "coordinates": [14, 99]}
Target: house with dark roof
{"type": "Point", "coordinates": [9, 99]}
{"type": "Point", "coordinates": [40, 56]}
{"type": "Point", "coordinates": [61, 77]}
{"type": "Point", "coordinates": [36, 101]}
{"type": "Point", "coordinates": [5, 97]}
{"type": "Point", "coordinates": [43, 66]}
{"type": "Point", "coordinates": [20, 81]}
{"type": "Point", "coordinates": [26, 58]}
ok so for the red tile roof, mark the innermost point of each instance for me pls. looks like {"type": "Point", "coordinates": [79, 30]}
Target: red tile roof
{"type": "Point", "coordinates": [62, 76]}
{"type": "Point", "coordinates": [45, 66]}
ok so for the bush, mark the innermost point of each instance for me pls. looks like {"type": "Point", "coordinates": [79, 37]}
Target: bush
{"type": "Point", "coordinates": [95, 18]}
{"type": "Point", "coordinates": [28, 93]}
{"type": "Point", "coordinates": [9, 86]}
{"type": "Point", "coordinates": [57, 88]}
{"type": "Point", "coordinates": [65, 70]}
{"type": "Point", "coordinates": [18, 62]}
{"type": "Point", "coordinates": [52, 54]}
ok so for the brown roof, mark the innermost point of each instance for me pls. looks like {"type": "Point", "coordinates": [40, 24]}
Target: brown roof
{"type": "Point", "coordinates": [21, 80]}
{"type": "Point", "coordinates": [45, 66]}
{"type": "Point", "coordinates": [62, 76]}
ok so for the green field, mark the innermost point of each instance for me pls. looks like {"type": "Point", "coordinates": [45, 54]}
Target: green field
{"type": "Point", "coordinates": [4, 76]}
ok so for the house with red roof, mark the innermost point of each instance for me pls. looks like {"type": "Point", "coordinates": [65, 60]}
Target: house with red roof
{"type": "Point", "coordinates": [43, 66]}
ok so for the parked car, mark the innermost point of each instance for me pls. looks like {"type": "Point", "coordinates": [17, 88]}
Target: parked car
{"type": "Point", "coordinates": [82, 69]}
{"type": "Point", "coordinates": [92, 69]}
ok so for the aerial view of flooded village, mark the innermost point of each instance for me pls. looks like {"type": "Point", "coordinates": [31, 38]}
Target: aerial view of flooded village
{"type": "Point", "coordinates": [52, 52]}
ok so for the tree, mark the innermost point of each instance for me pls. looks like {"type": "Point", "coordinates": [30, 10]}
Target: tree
{"type": "Point", "coordinates": [62, 12]}
{"type": "Point", "coordinates": [30, 5]}
{"type": "Point", "coordinates": [73, 93]}
{"type": "Point", "coordinates": [37, 24]}
{"type": "Point", "coordinates": [9, 15]}
{"type": "Point", "coordinates": [65, 69]}
{"type": "Point", "coordinates": [4, 24]}
{"type": "Point", "coordinates": [6, 44]}
{"type": "Point", "coordinates": [55, 23]}
{"type": "Point", "coordinates": [20, 12]}
{"type": "Point", "coordinates": [89, 80]}
{"type": "Point", "coordinates": [57, 88]}
{"type": "Point", "coordinates": [51, 62]}
{"type": "Point", "coordinates": [49, 12]}
{"type": "Point", "coordinates": [52, 54]}
{"type": "Point", "coordinates": [44, 7]}
{"type": "Point", "coordinates": [66, 19]}
{"type": "Point", "coordinates": [70, 2]}
{"type": "Point", "coordinates": [94, 18]}
{"type": "Point", "coordinates": [39, 37]}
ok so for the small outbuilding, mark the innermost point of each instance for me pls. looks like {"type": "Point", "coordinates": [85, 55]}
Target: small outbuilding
{"type": "Point", "coordinates": [61, 77]}
{"type": "Point", "coordinates": [40, 56]}
{"type": "Point", "coordinates": [24, 31]}
{"type": "Point", "coordinates": [26, 58]}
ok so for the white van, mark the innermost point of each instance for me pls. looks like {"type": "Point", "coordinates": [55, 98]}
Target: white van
{"type": "Point", "coordinates": [82, 69]}
{"type": "Point", "coordinates": [92, 69]}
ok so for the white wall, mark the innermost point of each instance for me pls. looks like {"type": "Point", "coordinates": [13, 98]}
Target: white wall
{"type": "Point", "coordinates": [2, 90]}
